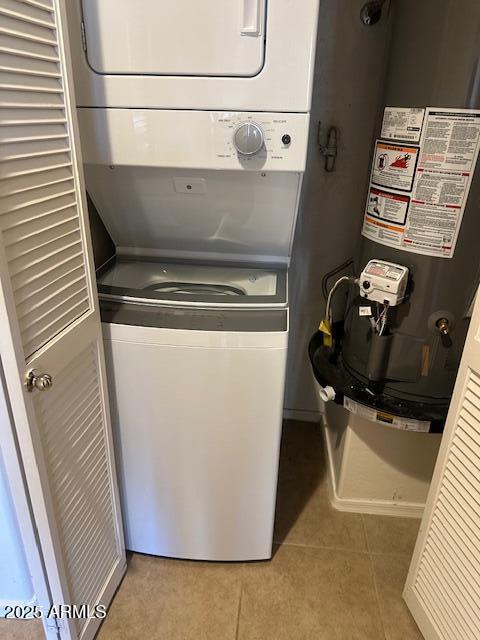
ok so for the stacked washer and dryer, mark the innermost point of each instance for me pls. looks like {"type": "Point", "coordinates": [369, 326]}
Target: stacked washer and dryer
{"type": "Point", "coordinates": [194, 125]}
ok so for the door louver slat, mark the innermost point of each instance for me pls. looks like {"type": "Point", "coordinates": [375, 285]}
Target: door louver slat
{"type": "Point", "coordinates": [63, 317]}
{"type": "Point", "coordinates": [28, 49]}
{"type": "Point", "coordinates": [30, 116]}
{"type": "Point", "coordinates": [43, 281]}
{"type": "Point", "coordinates": [30, 13]}
{"type": "Point", "coordinates": [39, 218]}
{"type": "Point", "coordinates": [446, 579]}
{"type": "Point", "coordinates": [26, 307]}
{"type": "Point", "coordinates": [23, 184]}
{"type": "Point", "coordinates": [25, 133]}
{"type": "Point", "coordinates": [37, 165]}
{"type": "Point", "coordinates": [25, 215]}
{"type": "Point", "coordinates": [51, 220]}
{"type": "Point", "coordinates": [46, 5]}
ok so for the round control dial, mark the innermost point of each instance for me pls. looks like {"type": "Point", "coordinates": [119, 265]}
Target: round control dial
{"type": "Point", "coordinates": [248, 138]}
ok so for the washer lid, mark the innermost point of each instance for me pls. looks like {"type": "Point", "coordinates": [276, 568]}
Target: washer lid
{"type": "Point", "coordinates": [181, 283]}
{"type": "Point", "coordinates": [241, 214]}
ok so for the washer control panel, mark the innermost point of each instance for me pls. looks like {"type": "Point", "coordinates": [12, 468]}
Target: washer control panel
{"type": "Point", "coordinates": [238, 140]}
{"type": "Point", "coordinates": [259, 138]}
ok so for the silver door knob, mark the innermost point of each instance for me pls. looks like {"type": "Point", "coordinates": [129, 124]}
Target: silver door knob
{"type": "Point", "coordinates": [41, 381]}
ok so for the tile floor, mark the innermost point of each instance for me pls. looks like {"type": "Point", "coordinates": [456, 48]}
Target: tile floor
{"type": "Point", "coordinates": [334, 576]}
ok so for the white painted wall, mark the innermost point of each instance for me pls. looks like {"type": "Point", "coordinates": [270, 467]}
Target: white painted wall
{"type": "Point", "coordinates": [15, 582]}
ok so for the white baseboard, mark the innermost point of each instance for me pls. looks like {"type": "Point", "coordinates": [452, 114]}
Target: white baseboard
{"type": "Point", "coordinates": [378, 507]}
{"type": "Point", "coordinates": [358, 505]}
{"type": "Point", "coordinates": [303, 416]}
{"type": "Point", "coordinates": [16, 603]}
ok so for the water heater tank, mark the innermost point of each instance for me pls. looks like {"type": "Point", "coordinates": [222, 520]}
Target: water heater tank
{"type": "Point", "coordinates": [422, 213]}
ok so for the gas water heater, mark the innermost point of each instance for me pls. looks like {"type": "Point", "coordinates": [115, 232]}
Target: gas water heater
{"type": "Point", "coordinates": [394, 355]}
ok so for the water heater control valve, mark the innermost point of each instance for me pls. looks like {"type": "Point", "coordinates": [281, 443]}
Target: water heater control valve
{"type": "Point", "coordinates": [384, 282]}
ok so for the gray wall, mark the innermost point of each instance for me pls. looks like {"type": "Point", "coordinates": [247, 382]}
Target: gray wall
{"type": "Point", "coordinates": [348, 89]}
{"type": "Point", "coordinates": [103, 247]}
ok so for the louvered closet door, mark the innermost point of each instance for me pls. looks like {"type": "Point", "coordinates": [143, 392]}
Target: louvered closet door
{"type": "Point", "coordinates": [443, 585]}
{"type": "Point", "coordinates": [49, 315]}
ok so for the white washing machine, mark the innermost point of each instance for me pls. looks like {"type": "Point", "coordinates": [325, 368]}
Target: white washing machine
{"type": "Point", "coordinates": [194, 124]}
{"type": "Point", "coordinates": [196, 356]}
{"type": "Point", "coordinates": [196, 351]}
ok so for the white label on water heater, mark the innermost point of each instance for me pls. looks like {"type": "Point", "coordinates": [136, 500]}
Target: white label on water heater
{"type": "Point", "coordinates": [417, 195]}
{"type": "Point", "coordinates": [388, 419]}
{"type": "Point", "coordinates": [402, 124]}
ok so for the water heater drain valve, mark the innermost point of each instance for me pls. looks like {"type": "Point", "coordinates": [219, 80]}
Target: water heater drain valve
{"type": "Point", "coordinates": [384, 282]}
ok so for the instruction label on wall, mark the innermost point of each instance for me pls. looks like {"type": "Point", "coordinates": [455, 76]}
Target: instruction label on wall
{"type": "Point", "coordinates": [374, 415]}
{"type": "Point", "coordinates": [424, 189]}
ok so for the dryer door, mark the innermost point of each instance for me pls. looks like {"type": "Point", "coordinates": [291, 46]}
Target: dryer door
{"type": "Point", "coordinates": [183, 37]}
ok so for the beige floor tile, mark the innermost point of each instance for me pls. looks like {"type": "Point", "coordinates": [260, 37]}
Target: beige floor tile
{"type": "Point", "coordinates": [21, 630]}
{"type": "Point", "coordinates": [306, 593]}
{"type": "Point", "coordinates": [390, 575]}
{"type": "Point", "coordinates": [304, 515]}
{"type": "Point", "coordinates": [319, 584]}
{"type": "Point", "coordinates": [163, 599]}
{"type": "Point", "coordinates": [388, 534]}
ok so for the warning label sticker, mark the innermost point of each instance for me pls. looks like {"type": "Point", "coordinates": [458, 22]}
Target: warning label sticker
{"type": "Point", "coordinates": [397, 422]}
{"type": "Point", "coordinates": [402, 124]}
{"type": "Point", "coordinates": [394, 166]}
{"type": "Point", "coordinates": [388, 206]}
{"type": "Point", "coordinates": [428, 220]}
{"type": "Point", "coordinates": [382, 232]}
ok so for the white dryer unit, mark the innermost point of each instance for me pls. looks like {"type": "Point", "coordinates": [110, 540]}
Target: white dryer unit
{"type": "Point", "coordinates": [244, 55]}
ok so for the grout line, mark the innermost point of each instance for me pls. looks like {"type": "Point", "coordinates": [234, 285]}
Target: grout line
{"type": "Point", "coordinates": [391, 554]}
{"type": "Point", "coordinates": [322, 547]}
{"type": "Point", "coordinates": [364, 526]}
{"type": "Point", "coordinates": [377, 598]}
{"type": "Point", "coordinates": [237, 630]}
{"type": "Point", "coordinates": [365, 552]}
{"type": "Point", "coordinates": [374, 578]}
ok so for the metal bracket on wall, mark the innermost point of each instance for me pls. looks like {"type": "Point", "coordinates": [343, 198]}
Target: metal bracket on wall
{"type": "Point", "coordinates": [330, 148]}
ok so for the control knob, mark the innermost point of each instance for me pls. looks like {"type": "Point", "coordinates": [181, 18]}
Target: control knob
{"type": "Point", "coordinates": [248, 138]}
